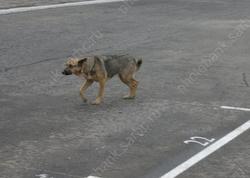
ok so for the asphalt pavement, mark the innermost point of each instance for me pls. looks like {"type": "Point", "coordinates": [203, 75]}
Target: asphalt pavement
{"type": "Point", "coordinates": [195, 60]}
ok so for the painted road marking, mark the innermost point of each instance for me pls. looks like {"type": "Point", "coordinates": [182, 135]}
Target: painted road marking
{"type": "Point", "coordinates": [43, 176]}
{"type": "Point", "coordinates": [198, 140]}
{"type": "Point", "coordinates": [235, 108]}
{"type": "Point", "coordinates": [53, 6]}
{"type": "Point", "coordinates": [207, 151]}
{"type": "Point", "coordinates": [93, 177]}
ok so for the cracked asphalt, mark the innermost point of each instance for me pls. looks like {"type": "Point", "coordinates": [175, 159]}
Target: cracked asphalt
{"type": "Point", "coordinates": [45, 129]}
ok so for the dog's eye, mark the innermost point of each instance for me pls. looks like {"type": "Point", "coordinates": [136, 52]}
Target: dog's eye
{"type": "Point", "coordinates": [70, 66]}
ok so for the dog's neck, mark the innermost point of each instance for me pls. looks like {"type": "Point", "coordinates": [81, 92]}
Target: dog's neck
{"type": "Point", "coordinates": [88, 67]}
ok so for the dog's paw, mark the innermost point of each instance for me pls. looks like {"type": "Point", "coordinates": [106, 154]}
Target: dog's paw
{"type": "Point", "coordinates": [96, 102]}
{"type": "Point", "coordinates": [128, 97]}
{"type": "Point", "coordinates": [85, 100]}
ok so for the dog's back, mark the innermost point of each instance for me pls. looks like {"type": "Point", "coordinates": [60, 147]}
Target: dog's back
{"type": "Point", "coordinates": [115, 64]}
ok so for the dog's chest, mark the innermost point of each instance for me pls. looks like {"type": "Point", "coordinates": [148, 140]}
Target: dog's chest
{"type": "Point", "coordinates": [89, 76]}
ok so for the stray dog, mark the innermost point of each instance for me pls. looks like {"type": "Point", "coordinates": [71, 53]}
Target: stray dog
{"type": "Point", "coordinates": [102, 68]}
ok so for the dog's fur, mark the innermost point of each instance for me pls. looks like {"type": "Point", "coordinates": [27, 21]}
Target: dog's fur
{"type": "Point", "coordinates": [102, 68]}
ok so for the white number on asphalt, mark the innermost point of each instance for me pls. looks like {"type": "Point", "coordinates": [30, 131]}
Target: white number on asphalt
{"type": "Point", "coordinates": [199, 140]}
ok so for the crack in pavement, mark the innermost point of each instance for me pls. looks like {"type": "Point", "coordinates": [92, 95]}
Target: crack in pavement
{"type": "Point", "coordinates": [6, 69]}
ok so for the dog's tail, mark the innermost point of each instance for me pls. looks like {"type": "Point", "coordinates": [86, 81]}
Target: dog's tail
{"type": "Point", "coordinates": [138, 63]}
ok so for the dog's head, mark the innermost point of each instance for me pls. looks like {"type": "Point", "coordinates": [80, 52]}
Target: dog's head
{"type": "Point", "coordinates": [74, 66]}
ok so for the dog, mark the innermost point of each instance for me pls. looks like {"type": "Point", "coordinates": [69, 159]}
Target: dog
{"type": "Point", "coordinates": [101, 68]}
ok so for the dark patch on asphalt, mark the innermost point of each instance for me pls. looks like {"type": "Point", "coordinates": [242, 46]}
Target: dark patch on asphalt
{"type": "Point", "coordinates": [244, 79]}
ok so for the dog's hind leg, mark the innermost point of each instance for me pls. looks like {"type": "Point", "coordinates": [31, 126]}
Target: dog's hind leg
{"type": "Point", "coordinates": [131, 83]}
{"type": "Point", "coordinates": [84, 87]}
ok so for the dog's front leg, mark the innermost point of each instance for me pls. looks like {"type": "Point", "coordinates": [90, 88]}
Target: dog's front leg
{"type": "Point", "coordinates": [100, 95]}
{"type": "Point", "coordinates": [84, 88]}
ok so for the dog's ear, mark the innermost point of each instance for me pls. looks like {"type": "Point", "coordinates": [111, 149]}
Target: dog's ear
{"type": "Point", "coordinates": [81, 61]}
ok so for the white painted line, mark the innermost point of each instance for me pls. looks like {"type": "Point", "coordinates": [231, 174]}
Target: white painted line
{"type": "Point", "coordinates": [34, 8]}
{"type": "Point", "coordinates": [235, 108]}
{"type": "Point", "coordinates": [93, 177]}
{"type": "Point", "coordinates": [207, 151]}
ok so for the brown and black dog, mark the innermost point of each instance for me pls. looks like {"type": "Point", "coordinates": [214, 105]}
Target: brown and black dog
{"type": "Point", "coordinates": [103, 67]}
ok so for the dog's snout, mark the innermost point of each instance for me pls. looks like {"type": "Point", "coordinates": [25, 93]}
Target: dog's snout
{"type": "Point", "coordinates": [66, 72]}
